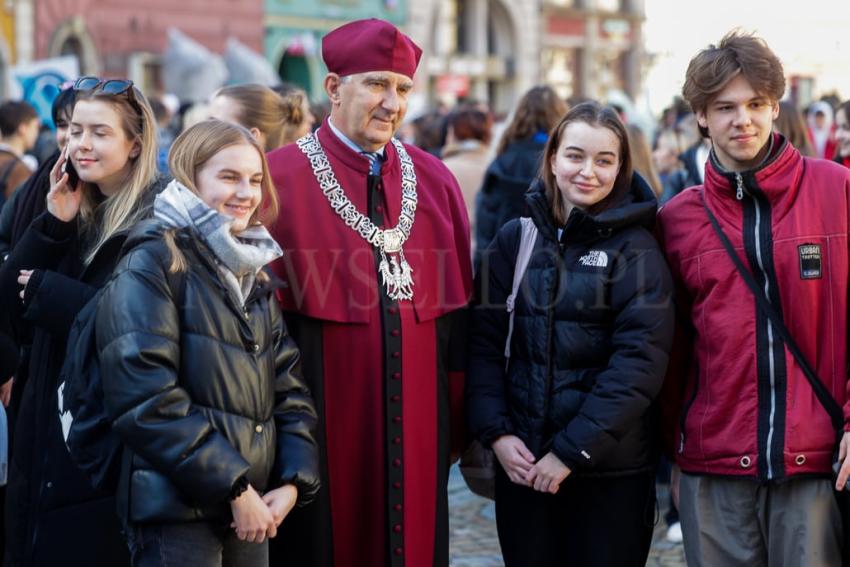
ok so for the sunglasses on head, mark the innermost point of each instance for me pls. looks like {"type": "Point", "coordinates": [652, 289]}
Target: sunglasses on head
{"type": "Point", "coordinates": [109, 86]}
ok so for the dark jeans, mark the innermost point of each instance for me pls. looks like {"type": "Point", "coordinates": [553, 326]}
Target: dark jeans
{"type": "Point", "coordinates": [598, 522]}
{"type": "Point", "coordinates": [192, 545]}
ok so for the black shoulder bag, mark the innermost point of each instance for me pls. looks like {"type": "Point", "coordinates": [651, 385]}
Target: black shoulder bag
{"type": "Point", "coordinates": [836, 415]}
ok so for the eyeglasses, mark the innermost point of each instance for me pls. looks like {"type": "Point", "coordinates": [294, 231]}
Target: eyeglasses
{"type": "Point", "coordinates": [109, 86]}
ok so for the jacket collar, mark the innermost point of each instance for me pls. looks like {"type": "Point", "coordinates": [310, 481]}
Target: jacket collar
{"type": "Point", "coordinates": [636, 208]}
{"type": "Point", "coordinates": [777, 180]}
{"type": "Point", "coordinates": [773, 176]}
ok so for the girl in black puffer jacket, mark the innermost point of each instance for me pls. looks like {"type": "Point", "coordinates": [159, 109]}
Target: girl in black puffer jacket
{"type": "Point", "coordinates": [201, 379]}
{"type": "Point", "coordinates": [571, 419]}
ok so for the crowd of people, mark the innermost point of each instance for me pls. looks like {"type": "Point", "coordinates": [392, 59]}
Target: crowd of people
{"type": "Point", "coordinates": [299, 321]}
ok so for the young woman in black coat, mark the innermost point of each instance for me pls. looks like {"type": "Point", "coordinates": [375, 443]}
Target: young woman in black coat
{"type": "Point", "coordinates": [63, 257]}
{"type": "Point", "coordinates": [201, 379]}
{"type": "Point", "coordinates": [571, 418]}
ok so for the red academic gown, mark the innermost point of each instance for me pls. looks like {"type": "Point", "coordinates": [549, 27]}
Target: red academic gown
{"type": "Point", "coordinates": [386, 375]}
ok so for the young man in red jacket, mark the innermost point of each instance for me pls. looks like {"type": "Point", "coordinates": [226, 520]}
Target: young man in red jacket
{"type": "Point", "coordinates": [754, 443]}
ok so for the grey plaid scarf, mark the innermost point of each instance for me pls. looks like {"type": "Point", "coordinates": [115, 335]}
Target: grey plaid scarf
{"type": "Point", "coordinates": [240, 256]}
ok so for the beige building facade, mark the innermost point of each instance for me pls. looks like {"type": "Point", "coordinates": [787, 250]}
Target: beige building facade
{"type": "Point", "coordinates": [486, 50]}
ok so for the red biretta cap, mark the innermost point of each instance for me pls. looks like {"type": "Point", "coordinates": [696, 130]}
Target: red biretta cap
{"type": "Point", "coordinates": [369, 45]}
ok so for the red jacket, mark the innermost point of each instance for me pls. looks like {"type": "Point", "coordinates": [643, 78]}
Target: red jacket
{"type": "Point", "coordinates": [734, 396]}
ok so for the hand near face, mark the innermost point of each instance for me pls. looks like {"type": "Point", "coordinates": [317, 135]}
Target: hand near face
{"type": "Point", "coordinates": [514, 457]}
{"type": "Point", "coordinates": [547, 474]}
{"type": "Point", "coordinates": [63, 201]}
{"type": "Point", "coordinates": [280, 502]}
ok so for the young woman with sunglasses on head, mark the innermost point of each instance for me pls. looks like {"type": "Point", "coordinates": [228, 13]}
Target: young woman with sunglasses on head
{"type": "Point", "coordinates": [201, 379]}
{"type": "Point", "coordinates": [570, 416]}
{"type": "Point", "coordinates": [61, 260]}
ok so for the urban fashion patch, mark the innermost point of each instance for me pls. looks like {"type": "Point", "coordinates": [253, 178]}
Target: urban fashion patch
{"type": "Point", "coordinates": [810, 261]}
{"type": "Point", "coordinates": [595, 259]}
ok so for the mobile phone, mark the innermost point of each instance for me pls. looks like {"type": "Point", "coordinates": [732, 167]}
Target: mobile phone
{"type": "Point", "coordinates": [73, 178]}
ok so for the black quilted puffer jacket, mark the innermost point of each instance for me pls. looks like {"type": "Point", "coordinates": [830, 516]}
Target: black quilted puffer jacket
{"type": "Point", "coordinates": [202, 393]}
{"type": "Point", "coordinates": [592, 333]}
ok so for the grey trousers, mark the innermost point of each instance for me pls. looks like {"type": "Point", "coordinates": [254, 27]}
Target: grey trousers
{"type": "Point", "coordinates": [738, 522]}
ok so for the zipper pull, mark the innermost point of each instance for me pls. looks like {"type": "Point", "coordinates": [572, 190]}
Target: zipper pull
{"type": "Point", "coordinates": [681, 443]}
{"type": "Point", "coordinates": [740, 193]}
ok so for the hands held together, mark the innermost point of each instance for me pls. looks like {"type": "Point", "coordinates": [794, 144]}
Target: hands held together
{"type": "Point", "coordinates": [255, 518]}
{"type": "Point", "coordinates": [546, 475]}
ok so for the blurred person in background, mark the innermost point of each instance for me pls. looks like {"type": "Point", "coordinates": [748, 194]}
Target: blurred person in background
{"type": "Point", "coordinates": [19, 129]}
{"type": "Point", "coordinates": [821, 129]}
{"type": "Point", "coordinates": [320, 111]}
{"type": "Point", "coordinates": [517, 162]}
{"type": "Point", "coordinates": [842, 133]}
{"type": "Point", "coordinates": [691, 170]}
{"type": "Point", "coordinates": [273, 119]}
{"type": "Point", "coordinates": [429, 132]}
{"type": "Point", "coordinates": [671, 143]}
{"type": "Point", "coordinates": [642, 158]}
{"type": "Point", "coordinates": [467, 150]}
{"type": "Point", "coordinates": [193, 112]}
{"type": "Point", "coordinates": [28, 200]}
{"type": "Point", "coordinates": [790, 123]}
{"type": "Point", "coordinates": [302, 120]}
{"type": "Point", "coordinates": [164, 134]}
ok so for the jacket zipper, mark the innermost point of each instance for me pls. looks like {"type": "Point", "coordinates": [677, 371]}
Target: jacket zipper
{"type": "Point", "coordinates": [550, 324]}
{"type": "Point", "coordinates": [770, 340]}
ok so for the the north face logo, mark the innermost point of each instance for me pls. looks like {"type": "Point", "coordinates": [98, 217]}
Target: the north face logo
{"type": "Point", "coordinates": [594, 258]}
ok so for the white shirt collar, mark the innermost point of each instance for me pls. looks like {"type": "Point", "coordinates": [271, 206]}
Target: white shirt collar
{"type": "Point", "coordinates": [347, 141]}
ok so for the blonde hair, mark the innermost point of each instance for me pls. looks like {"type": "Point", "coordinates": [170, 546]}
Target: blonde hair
{"type": "Point", "coordinates": [104, 218]}
{"type": "Point", "coordinates": [195, 147]}
{"type": "Point", "coordinates": [277, 117]}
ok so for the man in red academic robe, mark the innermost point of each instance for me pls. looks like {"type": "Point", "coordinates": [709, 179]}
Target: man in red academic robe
{"type": "Point", "coordinates": [376, 273]}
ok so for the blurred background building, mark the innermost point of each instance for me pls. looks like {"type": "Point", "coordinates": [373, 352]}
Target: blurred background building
{"type": "Point", "coordinates": [484, 50]}
{"type": "Point", "coordinates": [487, 50]}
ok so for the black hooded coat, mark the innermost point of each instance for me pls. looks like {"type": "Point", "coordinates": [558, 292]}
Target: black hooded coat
{"type": "Point", "coordinates": [592, 333]}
